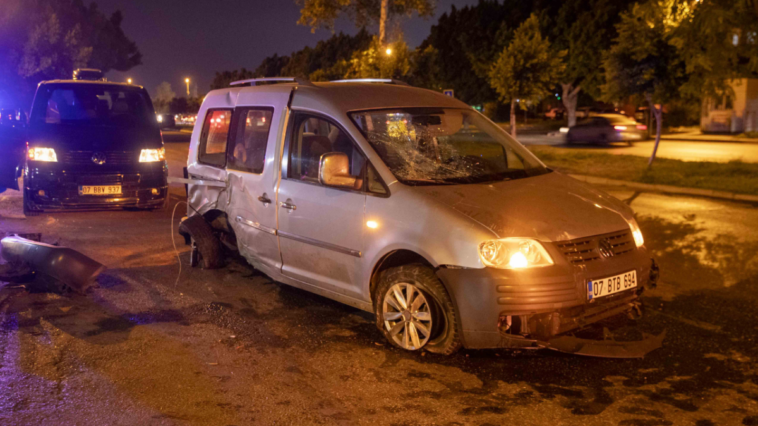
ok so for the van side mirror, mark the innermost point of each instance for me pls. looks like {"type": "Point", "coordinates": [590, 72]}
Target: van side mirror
{"type": "Point", "coordinates": [334, 170]}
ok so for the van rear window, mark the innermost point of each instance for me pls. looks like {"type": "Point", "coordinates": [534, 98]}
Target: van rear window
{"type": "Point", "coordinates": [213, 139]}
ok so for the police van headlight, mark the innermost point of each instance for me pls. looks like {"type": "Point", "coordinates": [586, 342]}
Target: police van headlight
{"type": "Point", "coordinates": [152, 155]}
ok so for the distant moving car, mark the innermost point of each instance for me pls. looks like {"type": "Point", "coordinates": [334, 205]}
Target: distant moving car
{"type": "Point", "coordinates": [606, 128]}
{"type": "Point", "coordinates": [91, 144]}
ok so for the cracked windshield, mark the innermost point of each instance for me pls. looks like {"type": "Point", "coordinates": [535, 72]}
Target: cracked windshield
{"type": "Point", "coordinates": [424, 146]}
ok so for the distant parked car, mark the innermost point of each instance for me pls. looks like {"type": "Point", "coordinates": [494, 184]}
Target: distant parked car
{"type": "Point", "coordinates": [606, 128]}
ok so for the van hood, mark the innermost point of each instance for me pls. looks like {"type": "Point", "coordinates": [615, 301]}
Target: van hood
{"type": "Point", "coordinates": [94, 138]}
{"type": "Point", "coordinates": [549, 207]}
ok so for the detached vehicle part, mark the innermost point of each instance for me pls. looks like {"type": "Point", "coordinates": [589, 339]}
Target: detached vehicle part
{"type": "Point", "coordinates": [206, 247]}
{"type": "Point", "coordinates": [61, 267]}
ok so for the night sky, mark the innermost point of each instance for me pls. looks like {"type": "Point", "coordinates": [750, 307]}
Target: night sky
{"type": "Point", "coordinates": [186, 38]}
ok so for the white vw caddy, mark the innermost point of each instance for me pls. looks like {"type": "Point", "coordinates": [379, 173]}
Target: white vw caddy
{"type": "Point", "coordinates": [409, 204]}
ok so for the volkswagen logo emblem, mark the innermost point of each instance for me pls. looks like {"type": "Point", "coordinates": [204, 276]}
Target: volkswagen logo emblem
{"type": "Point", "coordinates": [605, 249]}
{"type": "Point", "coordinates": [98, 158]}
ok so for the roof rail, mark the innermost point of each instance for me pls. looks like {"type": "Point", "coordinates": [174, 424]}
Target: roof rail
{"type": "Point", "coordinates": [373, 80]}
{"type": "Point", "coordinates": [255, 81]}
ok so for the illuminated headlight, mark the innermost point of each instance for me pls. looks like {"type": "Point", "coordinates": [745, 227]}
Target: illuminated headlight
{"type": "Point", "coordinates": [160, 119]}
{"type": "Point", "coordinates": [638, 240]}
{"type": "Point", "coordinates": [152, 155]}
{"type": "Point", "coordinates": [514, 253]}
{"type": "Point", "coordinates": [43, 154]}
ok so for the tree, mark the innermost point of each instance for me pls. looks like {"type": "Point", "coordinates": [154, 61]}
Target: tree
{"type": "Point", "coordinates": [381, 61]}
{"type": "Point", "coordinates": [718, 42]}
{"type": "Point", "coordinates": [48, 39]}
{"type": "Point", "coordinates": [54, 51]}
{"type": "Point", "coordinates": [585, 29]}
{"type": "Point", "coordinates": [469, 40]}
{"type": "Point", "coordinates": [163, 97]}
{"type": "Point", "coordinates": [224, 78]}
{"type": "Point", "coordinates": [525, 68]}
{"type": "Point", "coordinates": [323, 13]}
{"type": "Point", "coordinates": [328, 60]}
{"type": "Point", "coordinates": [643, 62]}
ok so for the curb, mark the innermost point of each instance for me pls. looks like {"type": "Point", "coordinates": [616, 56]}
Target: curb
{"type": "Point", "coordinates": [668, 189]}
{"type": "Point", "coordinates": [696, 140]}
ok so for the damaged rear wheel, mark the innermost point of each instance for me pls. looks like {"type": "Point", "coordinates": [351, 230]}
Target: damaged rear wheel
{"type": "Point", "coordinates": [414, 311]}
{"type": "Point", "coordinates": [208, 247]}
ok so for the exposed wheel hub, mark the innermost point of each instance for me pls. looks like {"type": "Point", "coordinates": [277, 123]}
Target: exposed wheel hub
{"type": "Point", "coordinates": [407, 316]}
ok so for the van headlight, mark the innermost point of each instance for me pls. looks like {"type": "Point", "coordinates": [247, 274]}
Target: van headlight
{"type": "Point", "coordinates": [514, 253]}
{"type": "Point", "coordinates": [152, 155]}
{"type": "Point", "coordinates": [42, 154]}
{"type": "Point", "coordinates": [636, 232]}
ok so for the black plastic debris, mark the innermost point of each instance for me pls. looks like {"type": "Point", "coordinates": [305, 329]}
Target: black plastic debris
{"type": "Point", "coordinates": [61, 268]}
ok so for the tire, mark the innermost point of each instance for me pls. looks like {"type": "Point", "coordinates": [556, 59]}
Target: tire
{"type": "Point", "coordinates": [443, 335]}
{"type": "Point", "coordinates": [208, 245]}
{"type": "Point", "coordinates": [29, 208]}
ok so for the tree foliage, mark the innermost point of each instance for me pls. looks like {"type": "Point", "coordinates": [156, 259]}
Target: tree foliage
{"type": "Point", "coordinates": [469, 39]}
{"type": "Point", "coordinates": [48, 39]}
{"type": "Point", "coordinates": [718, 41]}
{"type": "Point", "coordinates": [644, 62]}
{"type": "Point", "coordinates": [378, 62]}
{"type": "Point", "coordinates": [322, 13]}
{"type": "Point", "coordinates": [527, 68]}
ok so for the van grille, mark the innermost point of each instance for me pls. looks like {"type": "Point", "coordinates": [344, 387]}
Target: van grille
{"type": "Point", "coordinates": [589, 249]}
{"type": "Point", "coordinates": [112, 158]}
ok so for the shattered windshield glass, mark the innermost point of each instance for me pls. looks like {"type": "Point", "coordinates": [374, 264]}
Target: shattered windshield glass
{"type": "Point", "coordinates": [435, 146]}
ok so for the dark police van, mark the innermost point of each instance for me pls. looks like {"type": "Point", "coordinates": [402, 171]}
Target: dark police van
{"type": "Point", "coordinates": [91, 144]}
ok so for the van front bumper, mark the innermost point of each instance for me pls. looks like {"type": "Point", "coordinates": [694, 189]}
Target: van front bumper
{"type": "Point", "coordinates": [514, 308]}
{"type": "Point", "coordinates": [57, 187]}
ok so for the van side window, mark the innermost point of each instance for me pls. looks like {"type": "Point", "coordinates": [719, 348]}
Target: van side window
{"type": "Point", "coordinates": [247, 152]}
{"type": "Point", "coordinates": [212, 149]}
{"type": "Point", "coordinates": [313, 137]}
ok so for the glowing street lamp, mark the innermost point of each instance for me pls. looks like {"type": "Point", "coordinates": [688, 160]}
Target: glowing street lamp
{"type": "Point", "coordinates": [389, 51]}
{"type": "Point", "coordinates": [186, 80]}
{"type": "Point", "coordinates": [129, 81]}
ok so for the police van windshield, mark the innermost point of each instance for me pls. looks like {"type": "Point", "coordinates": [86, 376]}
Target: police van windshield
{"type": "Point", "coordinates": [95, 104]}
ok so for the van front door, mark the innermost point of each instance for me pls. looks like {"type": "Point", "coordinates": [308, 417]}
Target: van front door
{"type": "Point", "coordinates": [320, 228]}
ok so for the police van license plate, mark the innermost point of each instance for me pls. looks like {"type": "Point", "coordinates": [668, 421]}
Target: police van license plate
{"type": "Point", "coordinates": [100, 190]}
{"type": "Point", "coordinates": [611, 285]}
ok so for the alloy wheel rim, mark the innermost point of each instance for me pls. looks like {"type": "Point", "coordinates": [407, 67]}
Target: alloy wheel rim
{"type": "Point", "coordinates": [407, 316]}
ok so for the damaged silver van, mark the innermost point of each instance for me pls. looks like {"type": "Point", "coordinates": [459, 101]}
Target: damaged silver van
{"type": "Point", "coordinates": [410, 204]}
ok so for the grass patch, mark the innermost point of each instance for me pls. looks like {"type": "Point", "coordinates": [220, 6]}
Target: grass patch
{"type": "Point", "coordinates": [734, 176]}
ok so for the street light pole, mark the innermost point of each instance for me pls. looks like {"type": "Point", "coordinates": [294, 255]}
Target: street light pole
{"type": "Point", "coordinates": [186, 80]}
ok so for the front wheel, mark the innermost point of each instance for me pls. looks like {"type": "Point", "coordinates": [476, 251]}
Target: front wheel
{"type": "Point", "coordinates": [414, 311]}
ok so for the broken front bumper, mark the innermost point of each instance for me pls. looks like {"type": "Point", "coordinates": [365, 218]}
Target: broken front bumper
{"type": "Point", "coordinates": [527, 308]}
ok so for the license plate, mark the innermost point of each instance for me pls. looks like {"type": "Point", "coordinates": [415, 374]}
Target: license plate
{"type": "Point", "coordinates": [100, 190]}
{"type": "Point", "coordinates": [611, 285]}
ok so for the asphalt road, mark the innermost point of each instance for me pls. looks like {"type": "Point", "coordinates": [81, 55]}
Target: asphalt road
{"type": "Point", "coordinates": [720, 152]}
{"type": "Point", "coordinates": [151, 346]}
